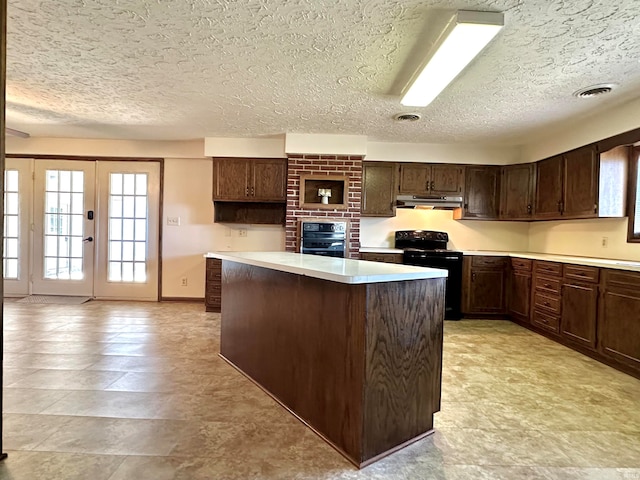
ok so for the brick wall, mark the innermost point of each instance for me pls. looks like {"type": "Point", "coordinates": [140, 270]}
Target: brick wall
{"type": "Point", "coordinates": [350, 166]}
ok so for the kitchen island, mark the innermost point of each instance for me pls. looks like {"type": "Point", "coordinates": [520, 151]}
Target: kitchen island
{"type": "Point", "coordinates": [351, 348]}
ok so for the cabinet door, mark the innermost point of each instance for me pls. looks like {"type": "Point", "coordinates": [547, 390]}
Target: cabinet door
{"type": "Point", "coordinates": [548, 204]}
{"type": "Point", "coordinates": [516, 197]}
{"type": "Point", "coordinates": [446, 180]}
{"type": "Point", "coordinates": [579, 310]}
{"type": "Point", "coordinates": [269, 180]}
{"type": "Point", "coordinates": [520, 295]}
{"type": "Point", "coordinates": [231, 178]}
{"type": "Point", "coordinates": [619, 318]}
{"type": "Point", "coordinates": [580, 183]}
{"type": "Point", "coordinates": [483, 287]}
{"type": "Point", "coordinates": [415, 178]}
{"type": "Point", "coordinates": [481, 192]}
{"type": "Point", "coordinates": [378, 189]}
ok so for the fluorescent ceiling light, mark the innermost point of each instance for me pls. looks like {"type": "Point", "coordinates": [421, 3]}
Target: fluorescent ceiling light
{"type": "Point", "coordinates": [464, 37]}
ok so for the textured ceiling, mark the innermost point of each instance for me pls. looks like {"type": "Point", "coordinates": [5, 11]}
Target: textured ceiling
{"type": "Point", "coordinates": [184, 69]}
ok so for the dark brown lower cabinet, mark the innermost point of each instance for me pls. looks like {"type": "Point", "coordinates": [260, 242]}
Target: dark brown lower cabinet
{"type": "Point", "coordinates": [579, 313]}
{"type": "Point", "coordinates": [519, 294]}
{"type": "Point", "coordinates": [619, 318]}
{"type": "Point", "coordinates": [381, 257]}
{"type": "Point", "coordinates": [213, 285]}
{"type": "Point", "coordinates": [484, 281]}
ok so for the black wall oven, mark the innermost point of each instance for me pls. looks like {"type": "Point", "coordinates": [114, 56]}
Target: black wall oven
{"type": "Point", "coordinates": [323, 238]}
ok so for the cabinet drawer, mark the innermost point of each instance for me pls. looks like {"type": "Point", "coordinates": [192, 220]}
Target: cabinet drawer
{"type": "Point", "coordinates": [482, 261]}
{"type": "Point", "coordinates": [582, 273]}
{"type": "Point", "coordinates": [550, 303]}
{"type": "Point", "coordinates": [214, 275]}
{"type": "Point", "coordinates": [213, 288]}
{"type": "Point", "coordinates": [547, 284]}
{"type": "Point", "coordinates": [622, 279]}
{"type": "Point", "coordinates": [546, 321]}
{"type": "Point", "coordinates": [523, 264]}
{"type": "Point", "coordinates": [548, 268]}
{"type": "Point", "coordinates": [382, 257]}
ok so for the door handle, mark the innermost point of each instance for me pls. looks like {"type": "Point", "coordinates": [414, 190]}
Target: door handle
{"type": "Point", "coordinates": [88, 239]}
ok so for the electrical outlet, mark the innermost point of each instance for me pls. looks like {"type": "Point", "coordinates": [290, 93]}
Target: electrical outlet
{"type": "Point", "coordinates": [173, 221]}
{"type": "Point", "coordinates": [605, 242]}
{"type": "Point", "coordinates": [242, 232]}
{"type": "Point", "coordinates": [183, 281]}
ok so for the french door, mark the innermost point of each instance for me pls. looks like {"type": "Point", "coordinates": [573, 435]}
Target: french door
{"type": "Point", "coordinates": [84, 228]}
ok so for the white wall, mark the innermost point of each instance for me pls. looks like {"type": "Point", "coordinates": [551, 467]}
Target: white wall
{"type": "Point", "coordinates": [591, 129]}
{"type": "Point", "coordinates": [584, 237]}
{"type": "Point", "coordinates": [442, 153]}
{"type": "Point", "coordinates": [463, 235]}
{"type": "Point", "coordinates": [187, 194]}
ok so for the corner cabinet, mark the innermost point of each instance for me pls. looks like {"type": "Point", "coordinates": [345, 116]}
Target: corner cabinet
{"type": "Point", "coordinates": [378, 189]}
{"type": "Point", "coordinates": [481, 194]}
{"type": "Point", "coordinates": [250, 190]}
{"type": "Point", "coordinates": [250, 179]}
{"type": "Point", "coordinates": [517, 190]}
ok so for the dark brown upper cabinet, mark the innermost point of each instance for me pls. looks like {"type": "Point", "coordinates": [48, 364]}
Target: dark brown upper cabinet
{"type": "Point", "coordinates": [250, 179]}
{"type": "Point", "coordinates": [580, 196]}
{"type": "Point", "coordinates": [378, 189]}
{"type": "Point", "coordinates": [481, 193]}
{"type": "Point", "coordinates": [581, 184]}
{"type": "Point", "coordinates": [517, 190]}
{"type": "Point", "coordinates": [431, 179]}
{"type": "Point", "coordinates": [549, 178]}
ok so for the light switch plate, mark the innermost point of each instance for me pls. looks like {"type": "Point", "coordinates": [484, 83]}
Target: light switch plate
{"type": "Point", "coordinates": [173, 221]}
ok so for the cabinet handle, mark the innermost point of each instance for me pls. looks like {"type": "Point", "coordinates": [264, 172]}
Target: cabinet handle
{"type": "Point", "coordinates": [595, 208]}
{"type": "Point", "coordinates": [529, 209]}
{"type": "Point", "coordinates": [545, 321]}
{"type": "Point", "coordinates": [466, 206]}
{"type": "Point", "coordinates": [473, 277]}
{"type": "Point", "coordinates": [547, 304]}
{"type": "Point", "coordinates": [253, 190]}
{"type": "Point", "coordinates": [246, 192]}
{"type": "Point", "coordinates": [546, 285]}
{"type": "Point", "coordinates": [560, 207]}
{"type": "Point", "coordinates": [433, 185]}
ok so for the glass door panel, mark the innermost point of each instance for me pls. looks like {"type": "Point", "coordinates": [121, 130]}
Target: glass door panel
{"type": "Point", "coordinates": [129, 201]}
{"type": "Point", "coordinates": [63, 232]}
{"type": "Point", "coordinates": [17, 216]}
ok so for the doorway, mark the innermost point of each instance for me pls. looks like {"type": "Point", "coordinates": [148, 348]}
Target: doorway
{"type": "Point", "coordinates": [82, 228]}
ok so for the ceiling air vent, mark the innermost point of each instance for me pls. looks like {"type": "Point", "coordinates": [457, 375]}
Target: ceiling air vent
{"type": "Point", "coordinates": [407, 117]}
{"type": "Point", "coordinates": [594, 90]}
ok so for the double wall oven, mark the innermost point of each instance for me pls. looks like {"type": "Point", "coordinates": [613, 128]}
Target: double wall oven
{"type": "Point", "coordinates": [328, 239]}
{"type": "Point", "coordinates": [426, 248]}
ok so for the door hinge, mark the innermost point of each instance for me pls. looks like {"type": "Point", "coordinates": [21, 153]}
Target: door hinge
{"type": "Point", "coordinates": [595, 208]}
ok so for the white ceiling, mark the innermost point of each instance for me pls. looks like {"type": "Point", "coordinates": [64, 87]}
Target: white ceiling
{"type": "Point", "coordinates": [185, 69]}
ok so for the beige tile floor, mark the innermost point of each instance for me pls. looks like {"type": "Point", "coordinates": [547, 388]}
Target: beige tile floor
{"type": "Point", "coordinates": [119, 391]}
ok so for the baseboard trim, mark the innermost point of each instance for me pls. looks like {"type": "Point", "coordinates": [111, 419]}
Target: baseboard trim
{"type": "Point", "coordinates": [183, 299]}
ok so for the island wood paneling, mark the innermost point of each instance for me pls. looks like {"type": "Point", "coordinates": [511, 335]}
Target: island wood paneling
{"type": "Point", "coordinates": [360, 364]}
{"type": "Point", "coordinates": [403, 362]}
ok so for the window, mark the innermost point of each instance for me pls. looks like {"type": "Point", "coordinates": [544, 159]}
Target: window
{"type": "Point", "coordinates": [634, 196]}
{"type": "Point", "coordinates": [11, 224]}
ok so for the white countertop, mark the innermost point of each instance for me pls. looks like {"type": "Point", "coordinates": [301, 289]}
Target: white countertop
{"type": "Point", "coordinates": [340, 270]}
{"type": "Point", "coordinates": [593, 262]}
{"type": "Point", "coordinates": [380, 250]}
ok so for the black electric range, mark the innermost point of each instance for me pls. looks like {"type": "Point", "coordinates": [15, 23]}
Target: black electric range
{"type": "Point", "coordinates": [426, 248]}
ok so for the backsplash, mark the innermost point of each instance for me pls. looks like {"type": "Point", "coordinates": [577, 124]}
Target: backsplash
{"type": "Point", "coordinates": [350, 166]}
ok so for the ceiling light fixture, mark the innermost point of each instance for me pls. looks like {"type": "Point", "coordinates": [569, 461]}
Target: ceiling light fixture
{"type": "Point", "coordinates": [16, 133]}
{"type": "Point", "coordinates": [466, 34]}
